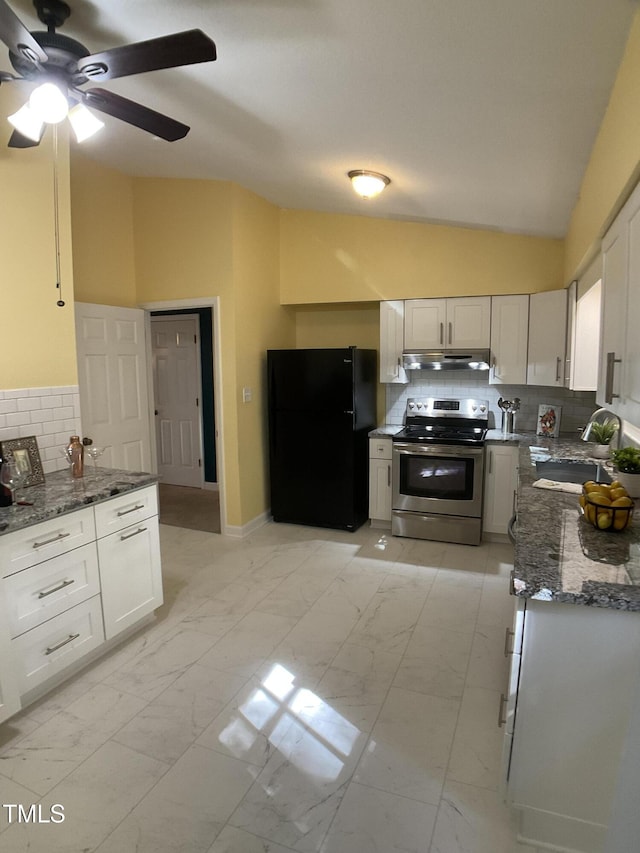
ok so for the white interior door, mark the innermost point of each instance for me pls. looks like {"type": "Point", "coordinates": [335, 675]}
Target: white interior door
{"type": "Point", "coordinates": [176, 381]}
{"type": "Point", "coordinates": [112, 374]}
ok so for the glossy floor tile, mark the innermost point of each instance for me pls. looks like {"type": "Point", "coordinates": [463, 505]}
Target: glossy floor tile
{"type": "Point", "coordinates": [301, 691]}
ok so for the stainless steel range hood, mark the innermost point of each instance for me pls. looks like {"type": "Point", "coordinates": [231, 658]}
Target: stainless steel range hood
{"type": "Point", "coordinates": [451, 359]}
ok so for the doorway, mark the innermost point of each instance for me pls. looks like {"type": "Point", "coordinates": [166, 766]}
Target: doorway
{"type": "Point", "coordinates": [187, 445]}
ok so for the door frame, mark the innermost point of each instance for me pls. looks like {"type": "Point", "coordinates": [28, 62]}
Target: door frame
{"type": "Point", "coordinates": [181, 305]}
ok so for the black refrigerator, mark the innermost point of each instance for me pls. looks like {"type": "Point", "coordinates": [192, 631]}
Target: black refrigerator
{"type": "Point", "coordinates": [322, 406]}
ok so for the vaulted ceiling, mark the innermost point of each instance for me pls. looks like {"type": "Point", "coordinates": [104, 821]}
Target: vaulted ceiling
{"type": "Point", "coordinates": [482, 112]}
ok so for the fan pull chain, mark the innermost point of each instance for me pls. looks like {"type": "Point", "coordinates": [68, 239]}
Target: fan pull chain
{"type": "Point", "coordinates": [56, 217]}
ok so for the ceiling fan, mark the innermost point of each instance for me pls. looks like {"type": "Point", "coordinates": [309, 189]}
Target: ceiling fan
{"type": "Point", "coordinates": [54, 59]}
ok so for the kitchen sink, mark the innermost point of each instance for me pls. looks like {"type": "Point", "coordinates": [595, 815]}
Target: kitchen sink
{"type": "Point", "coordinates": [572, 471]}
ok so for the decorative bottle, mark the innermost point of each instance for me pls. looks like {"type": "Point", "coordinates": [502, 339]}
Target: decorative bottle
{"type": "Point", "coordinates": [76, 453]}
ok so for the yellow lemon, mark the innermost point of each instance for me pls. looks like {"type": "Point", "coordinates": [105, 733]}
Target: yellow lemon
{"type": "Point", "coordinates": [616, 494]}
{"type": "Point", "coordinates": [621, 520]}
{"type": "Point", "coordinates": [599, 499]}
{"type": "Point", "coordinates": [582, 501]}
{"type": "Point", "coordinates": [604, 519]}
{"type": "Point", "coordinates": [622, 501]}
{"type": "Point", "coordinates": [591, 487]}
{"type": "Point", "coordinates": [617, 485]}
{"type": "Point", "coordinates": [590, 512]}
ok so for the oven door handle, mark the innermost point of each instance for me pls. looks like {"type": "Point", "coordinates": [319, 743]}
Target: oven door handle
{"type": "Point", "coordinates": [436, 450]}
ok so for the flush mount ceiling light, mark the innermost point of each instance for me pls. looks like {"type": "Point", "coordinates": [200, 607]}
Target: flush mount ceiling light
{"type": "Point", "coordinates": [368, 184]}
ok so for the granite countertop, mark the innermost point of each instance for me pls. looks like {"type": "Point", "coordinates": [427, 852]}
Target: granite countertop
{"type": "Point", "coordinates": [559, 556]}
{"type": "Point", "coordinates": [61, 494]}
{"type": "Point", "coordinates": [385, 431]}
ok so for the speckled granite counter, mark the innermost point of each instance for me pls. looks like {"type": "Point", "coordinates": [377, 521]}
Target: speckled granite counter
{"type": "Point", "coordinates": [385, 431]}
{"type": "Point", "coordinates": [61, 494]}
{"type": "Point", "coordinates": [560, 556]}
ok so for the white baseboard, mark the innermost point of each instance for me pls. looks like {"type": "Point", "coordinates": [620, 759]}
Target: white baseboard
{"type": "Point", "coordinates": [239, 532]}
{"type": "Point", "coordinates": [211, 487]}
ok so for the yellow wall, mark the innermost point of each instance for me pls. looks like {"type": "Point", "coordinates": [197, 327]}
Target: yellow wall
{"type": "Point", "coordinates": [102, 220]}
{"type": "Point", "coordinates": [338, 258]}
{"type": "Point", "coordinates": [38, 337]}
{"type": "Point", "coordinates": [613, 167]}
{"type": "Point", "coordinates": [342, 325]}
{"type": "Point", "coordinates": [261, 324]}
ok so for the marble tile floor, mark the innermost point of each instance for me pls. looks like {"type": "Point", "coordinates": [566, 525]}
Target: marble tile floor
{"type": "Point", "coordinates": [301, 690]}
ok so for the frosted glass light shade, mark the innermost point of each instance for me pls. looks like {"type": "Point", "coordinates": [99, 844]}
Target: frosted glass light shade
{"type": "Point", "coordinates": [48, 103]}
{"type": "Point", "coordinates": [368, 184]}
{"type": "Point", "coordinates": [27, 123]}
{"type": "Point", "coordinates": [83, 122]}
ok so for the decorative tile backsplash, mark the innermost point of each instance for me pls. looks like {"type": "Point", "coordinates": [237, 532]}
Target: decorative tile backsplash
{"type": "Point", "coordinates": [577, 406]}
{"type": "Point", "coordinates": [51, 414]}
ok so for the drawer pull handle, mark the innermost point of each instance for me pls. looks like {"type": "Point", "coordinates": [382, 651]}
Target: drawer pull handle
{"type": "Point", "coordinates": [508, 648]}
{"type": "Point", "coordinates": [51, 649]}
{"type": "Point", "coordinates": [55, 588]}
{"type": "Point", "coordinates": [503, 704]}
{"type": "Point", "coordinates": [133, 509]}
{"type": "Point", "coordinates": [49, 541]}
{"type": "Point", "coordinates": [135, 533]}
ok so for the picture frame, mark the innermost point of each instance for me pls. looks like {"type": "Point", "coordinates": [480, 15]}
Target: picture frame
{"type": "Point", "coordinates": [548, 423]}
{"type": "Point", "coordinates": [27, 456]}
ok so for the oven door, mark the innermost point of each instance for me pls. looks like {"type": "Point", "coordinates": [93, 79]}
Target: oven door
{"type": "Point", "coordinates": [438, 478]}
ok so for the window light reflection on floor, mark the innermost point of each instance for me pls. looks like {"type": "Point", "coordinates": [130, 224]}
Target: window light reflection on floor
{"type": "Point", "coordinates": [284, 714]}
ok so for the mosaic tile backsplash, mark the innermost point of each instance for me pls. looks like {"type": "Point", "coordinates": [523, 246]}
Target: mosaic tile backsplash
{"type": "Point", "coordinates": [577, 406]}
{"type": "Point", "coordinates": [51, 414]}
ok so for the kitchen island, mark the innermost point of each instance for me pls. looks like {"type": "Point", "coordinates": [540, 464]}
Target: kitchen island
{"type": "Point", "coordinates": [575, 661]}
{"type": "Point", "coordinates": [80, 570]}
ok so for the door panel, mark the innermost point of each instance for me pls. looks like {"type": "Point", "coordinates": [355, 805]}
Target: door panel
{"type": "Point", "coordinates": [176, 385]}
{"type": "Point", "coordinates": [113, 386]}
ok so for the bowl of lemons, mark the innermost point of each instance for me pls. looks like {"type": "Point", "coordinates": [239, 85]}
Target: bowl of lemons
{"type": "Point", "coordinates": [606, 506]}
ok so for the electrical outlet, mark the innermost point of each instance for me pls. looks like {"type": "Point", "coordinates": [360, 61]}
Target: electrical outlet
{"type": "Point", "coordinates": [246, 395]}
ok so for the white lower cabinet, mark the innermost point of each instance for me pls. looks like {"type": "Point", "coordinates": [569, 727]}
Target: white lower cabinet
{"type": "Point", "coordinates": [380, 482]}
{"type": "Point", "coordinates": [576, 681]}
{"type": "Point", "coordinates": [129, 575]}
{"type": "Point", "coordinates": [58, 583]}
{"type": "Point", "coordinates": [500, 484]}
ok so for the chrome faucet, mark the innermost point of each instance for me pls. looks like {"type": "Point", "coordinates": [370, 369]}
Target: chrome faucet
{"type": "Point", "coordinates": [596, 417]}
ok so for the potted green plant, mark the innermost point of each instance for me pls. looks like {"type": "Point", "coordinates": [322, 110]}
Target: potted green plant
{"type": "Point", "coordinates": [626, 461]}
{"type": "Point", "coordinates": [602, 433]}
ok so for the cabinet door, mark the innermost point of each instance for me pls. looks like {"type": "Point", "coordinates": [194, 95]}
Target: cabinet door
{"type": "Point", "coordinates": [612, 342]}
{"type": "Point", "coordinates": [547, 338]}
{"type": "Point", "coordinates": [130, 575]}
{"type": "Point", "coordinates": [380, 489]}
{"type": "Point", "coordinates": [468, 323]}
{"type": "Point", "coordinates": [9, 694]}
{"type": "Point", "coordinates": [425, 323]}
{"type": "Point", "coordinates": [509, 337]}
{"type": "Point", "coordinates": [392, 342]}
{"type": "Point", "coordinates": [500, 483]}
{"type": "Point", "coordinates": [631, 360]}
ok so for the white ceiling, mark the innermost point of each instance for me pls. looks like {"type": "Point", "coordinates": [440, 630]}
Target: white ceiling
{"type": "Point", "coordinates": [482, 112]}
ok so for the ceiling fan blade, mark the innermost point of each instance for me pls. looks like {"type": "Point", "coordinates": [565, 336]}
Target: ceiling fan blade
{"type": "Point", "coordinates": [186, 48]}
{"type": "Point", "coordinates": [135, 114]}
{"type": "Point", "coordinates": [17, 37]}
{"type": "Point", "coordinates": [18, 140]}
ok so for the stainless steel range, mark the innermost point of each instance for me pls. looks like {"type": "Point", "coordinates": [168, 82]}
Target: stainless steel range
{"type": "Point", "coordinates": [438, 470]}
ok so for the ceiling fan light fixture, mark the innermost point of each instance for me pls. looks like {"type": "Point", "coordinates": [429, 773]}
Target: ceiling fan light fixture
{"type": "Point", "coordinates": [368, 184]}
{"type": "Point", "coordinates": [49, 104]}
{"type": "Point", "coordinates": [27, 123]}
{"type": "Point", "coordinates": [83, 122]}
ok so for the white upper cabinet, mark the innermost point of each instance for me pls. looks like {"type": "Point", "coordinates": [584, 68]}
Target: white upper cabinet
{"type": "Point", "coordinates": [392, 342]}
{"type": "Point", "coordinates": [509, 336]}
{"type": "Point", "coordinates": [547, 338]}
{"type": "Point", "coordinates": [583, 338]}
{"type": "Point", "coordinates": [619, 375]}
{"type": "Point", "coordinates": [463, 323]}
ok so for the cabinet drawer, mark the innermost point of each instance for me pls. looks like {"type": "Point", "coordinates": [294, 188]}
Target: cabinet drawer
{"type": "Point", "coordinates": [48, 589]}
{"type": "Point", "coordinates": [33, 545]}
{"type": "Point", "coordinates": [48, 649]}
{"type": "Point", "coordinates": [120, 512]}
{"type": "Point", "coordinates": [379, 448]}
